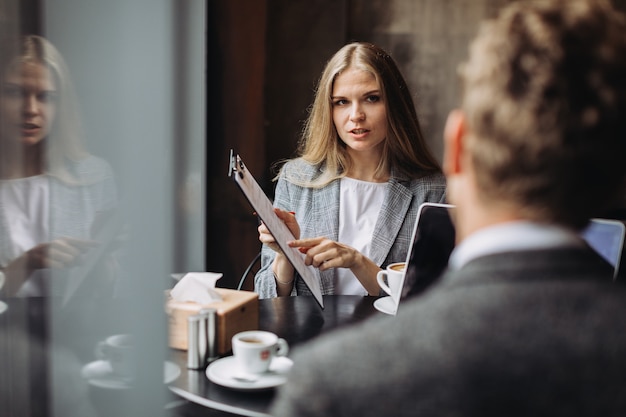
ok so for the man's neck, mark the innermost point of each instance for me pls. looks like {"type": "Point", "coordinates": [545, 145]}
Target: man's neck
{"type": "Point", "coordinates": [471, 218]}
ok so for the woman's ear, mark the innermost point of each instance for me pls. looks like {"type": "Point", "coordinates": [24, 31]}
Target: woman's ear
{"type": "Point", "coordinates": [453, 136]}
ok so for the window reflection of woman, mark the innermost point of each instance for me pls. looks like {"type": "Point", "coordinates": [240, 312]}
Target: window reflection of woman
{"type": "Point", "coordinates": [51, 188]}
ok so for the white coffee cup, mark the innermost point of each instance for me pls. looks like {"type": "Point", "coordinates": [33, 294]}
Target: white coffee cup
{"type": "Point", "coordinates": [254, 350]}
{"type": "Point", "coordinates": [391, 279]}
{"type": "Point", "coordinates": [119, 351]}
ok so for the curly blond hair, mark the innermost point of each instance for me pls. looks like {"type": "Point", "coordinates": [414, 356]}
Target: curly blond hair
{"type": "Point", "coordinates": [545, 100]}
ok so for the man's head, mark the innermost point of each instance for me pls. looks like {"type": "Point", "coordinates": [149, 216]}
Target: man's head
{"type": "Point", "coordinates": [544, 104]}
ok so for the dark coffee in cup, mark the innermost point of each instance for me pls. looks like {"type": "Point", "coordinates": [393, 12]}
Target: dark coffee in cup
{"type": "Point", "coordinates": [254, 350]}
{"type": "Point", "coordinates": [251, 340]}
{"type": "Point", "coordinates": [398, 267]}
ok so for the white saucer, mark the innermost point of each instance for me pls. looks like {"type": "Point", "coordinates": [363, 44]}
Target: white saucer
{"type": "Point", "coordinates": [99, 374]}
{"type": "Point", "coordinates": [223, 372]}
{"type": "Point", "coordinates": [386, 305]}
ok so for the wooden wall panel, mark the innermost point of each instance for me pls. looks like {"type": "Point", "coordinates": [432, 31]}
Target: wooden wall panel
{"type": "Point", "coordinates": [301, 38]}
{"type": "Point", "coordinates": [235, 73]}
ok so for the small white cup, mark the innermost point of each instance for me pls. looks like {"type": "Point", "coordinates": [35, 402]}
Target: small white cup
{"type": "Point", "coordinates": [119, 351]}
{"type": "Point", "coordinates": [254, 350]}
{"type": "Point", "coordinates": [391, 279]}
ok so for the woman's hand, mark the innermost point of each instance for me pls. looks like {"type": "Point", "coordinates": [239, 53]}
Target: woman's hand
{"type": "Point", "coordinates": [282, 269]}
{"type": "Point", "coordinates": [60, 253]}
{"type": "Point", "coordinates": [324, 254]}
{"type": "Point", "coordinates": [290, 221]}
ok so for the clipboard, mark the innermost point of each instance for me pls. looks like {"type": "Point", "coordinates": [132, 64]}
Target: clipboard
{"type": "Point", "coordinates": [265, 210]}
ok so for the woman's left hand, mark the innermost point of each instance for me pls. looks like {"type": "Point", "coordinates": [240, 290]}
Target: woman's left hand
{"type": "Point", "coordinates": [324, 253]}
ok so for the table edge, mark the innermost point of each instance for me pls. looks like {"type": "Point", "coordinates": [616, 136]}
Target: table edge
{"type": "Point", "coordinates": [216, 405]}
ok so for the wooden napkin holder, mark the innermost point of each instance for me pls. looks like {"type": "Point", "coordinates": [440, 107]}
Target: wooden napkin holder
{"type": "Point", "coordinates": [237, 312]}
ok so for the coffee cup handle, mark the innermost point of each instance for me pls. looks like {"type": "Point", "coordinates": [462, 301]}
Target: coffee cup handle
{"type": "Point", "coordinates": [282, 348]}
{"type": "Point", "coordinates": [101, 351]}
{"type": "Point", "coordinates": [380, 277]}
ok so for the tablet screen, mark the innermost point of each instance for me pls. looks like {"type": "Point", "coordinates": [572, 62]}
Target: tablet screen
{"type": "Point", "coordinates": [433, 241]}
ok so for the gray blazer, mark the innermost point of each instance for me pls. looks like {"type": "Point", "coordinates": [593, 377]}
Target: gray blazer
{"type": "Point", "coordinates": [534, 333]}
{"type": "Point", "coordinates": [317, 211]}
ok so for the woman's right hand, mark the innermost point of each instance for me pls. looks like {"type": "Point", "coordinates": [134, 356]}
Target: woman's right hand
{"type": "Point", "coordinates": [290, 221]}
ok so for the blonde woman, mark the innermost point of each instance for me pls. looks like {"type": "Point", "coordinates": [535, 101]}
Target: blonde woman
{"type": "Point", "coordinates": [52, 191]}
{"type": "Point", "coordinates": [362, 172]}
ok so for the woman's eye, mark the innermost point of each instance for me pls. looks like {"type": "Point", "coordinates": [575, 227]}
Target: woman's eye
{"type": "Point", "coordinates": [47, 97]}
{"type": "Point", "coordinates": [373, 99]}
{"type": "Point", "coordinates": [12, 91]}
{"type": "Point", "coordinates": [340, 102]}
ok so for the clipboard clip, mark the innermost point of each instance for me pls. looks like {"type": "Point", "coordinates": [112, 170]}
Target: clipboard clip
{"type": "Point", "coordinates": [236, 166]}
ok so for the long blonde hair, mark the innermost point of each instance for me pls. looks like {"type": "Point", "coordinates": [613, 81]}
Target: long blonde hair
{"type": "Point", "coordinates": [405, 152]}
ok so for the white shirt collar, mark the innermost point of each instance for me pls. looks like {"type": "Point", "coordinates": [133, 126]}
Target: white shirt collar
{"type": "Point", "coordinates": [512, 236]}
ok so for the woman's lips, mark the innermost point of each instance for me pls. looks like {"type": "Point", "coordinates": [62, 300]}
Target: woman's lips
{"type": "Point", "coordinates": [30, 128]}
{"type": "Point", "coordinates": [359, 133]}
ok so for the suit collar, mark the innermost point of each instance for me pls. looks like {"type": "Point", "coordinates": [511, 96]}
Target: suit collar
{"type": "Point", "coordinates": [532, 265]}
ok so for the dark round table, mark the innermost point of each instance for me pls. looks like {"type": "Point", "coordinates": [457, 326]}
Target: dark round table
{"type": "Point", "coordinates": [296, 319]}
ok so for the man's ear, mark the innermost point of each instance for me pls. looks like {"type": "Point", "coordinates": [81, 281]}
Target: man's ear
{"type": "Point", "coordinates": [453, 136]}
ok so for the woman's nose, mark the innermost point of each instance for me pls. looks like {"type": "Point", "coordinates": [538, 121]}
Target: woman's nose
{"type": "Point", "coordinates": [30, 104]}
{"type": "Point", "coordinates": [356, 113]}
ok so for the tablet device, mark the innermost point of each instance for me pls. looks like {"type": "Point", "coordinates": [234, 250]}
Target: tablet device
{"type": "Point", "coordinates": [431, 245]}
{"type": "Point", "coordinates": [606, 236]}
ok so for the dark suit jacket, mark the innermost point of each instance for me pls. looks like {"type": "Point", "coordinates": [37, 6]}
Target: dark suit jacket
{"type": "Point", "coordinates": [534, 333]}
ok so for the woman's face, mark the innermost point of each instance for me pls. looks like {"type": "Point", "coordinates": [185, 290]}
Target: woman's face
{"type": "Point", "coordinates": [28, 102]}
{"type": "Point", "coordinates": [359, 112]}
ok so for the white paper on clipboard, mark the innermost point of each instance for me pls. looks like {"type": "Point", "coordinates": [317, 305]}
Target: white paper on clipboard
{"type": "Point", "coordinates": [265, 210]}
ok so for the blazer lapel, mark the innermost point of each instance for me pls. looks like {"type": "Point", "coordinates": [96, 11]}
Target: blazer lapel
{"type": "Point", "coordinates": [393, 212]}
{"type": "Point", "coordinates": [326, 211]}
{"type": "Point", "coordinates": [326, 217]}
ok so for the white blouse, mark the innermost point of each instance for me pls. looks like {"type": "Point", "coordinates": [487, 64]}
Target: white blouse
{"type": "Point", "coordinates": [26, 205]}
{"type": "Point", "coordinates": [359, 205]}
